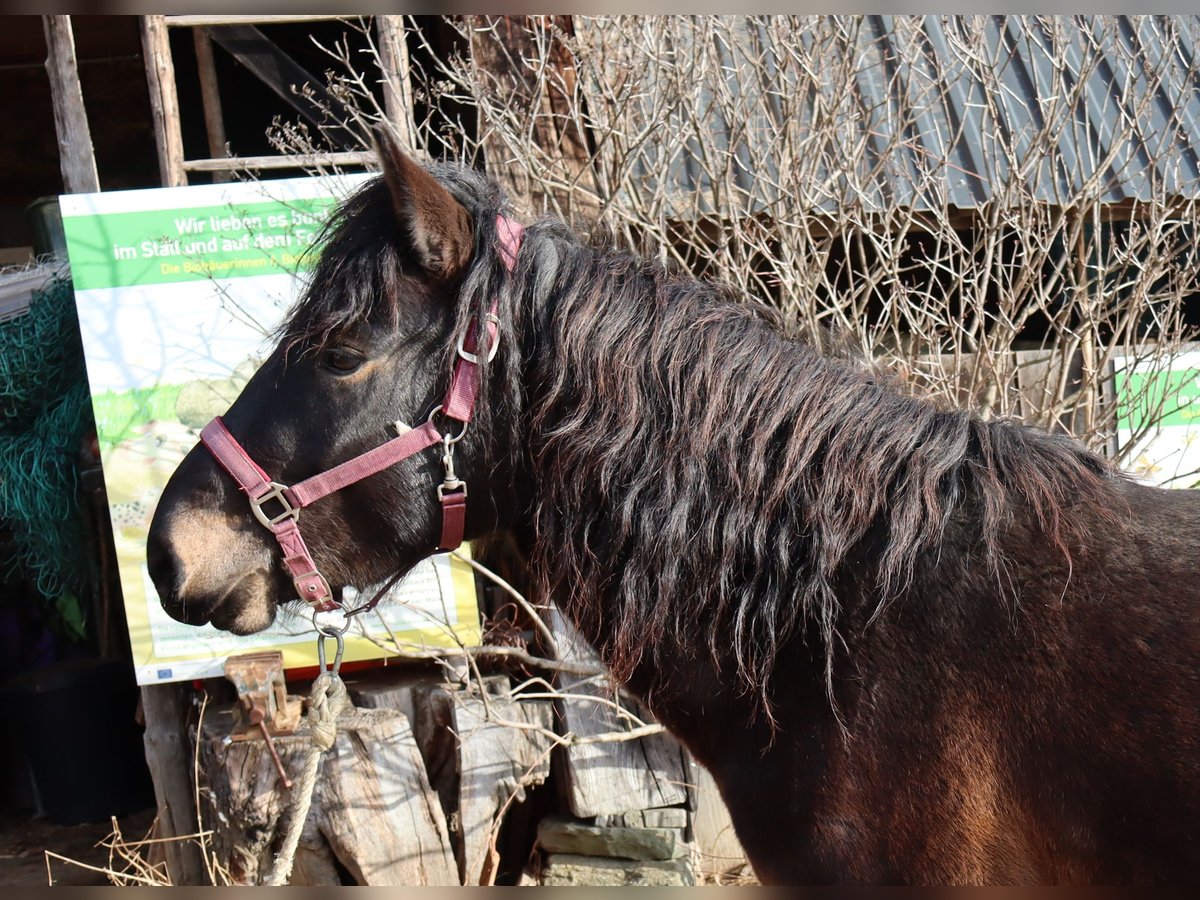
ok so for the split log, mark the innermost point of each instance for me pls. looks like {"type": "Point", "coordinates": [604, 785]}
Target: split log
{"type": "Point", "coordinates": [499, 756]}
{"type": "Point", "coordinates": [373, 810]}
{"type": "Point", "coordinates": [608, 778]}
{"type": "Point", "coordinates": [480, 756]}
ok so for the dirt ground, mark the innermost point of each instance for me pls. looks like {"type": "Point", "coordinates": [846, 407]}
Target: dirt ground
{"type": "Point", "coordinates": [23, 842]}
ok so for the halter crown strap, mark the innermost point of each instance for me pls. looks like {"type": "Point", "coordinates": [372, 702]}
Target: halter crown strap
{"type": "Point", "coordinates": [464, 383]}
{"type": "Point", "coordinates": [459, 404]}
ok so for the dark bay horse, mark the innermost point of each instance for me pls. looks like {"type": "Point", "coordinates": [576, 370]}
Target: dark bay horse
{"type": "Point", "coordinates": [911, 646]}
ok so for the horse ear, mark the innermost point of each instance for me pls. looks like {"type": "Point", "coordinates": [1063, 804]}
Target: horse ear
{"type": "Point", "coordinates": [436, 225]}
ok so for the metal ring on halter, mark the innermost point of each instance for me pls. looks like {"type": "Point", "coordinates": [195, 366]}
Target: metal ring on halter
{"type": "Point", "coordinates": [450, 440]}
{"type": "Point", "coordinates": [330, 630]}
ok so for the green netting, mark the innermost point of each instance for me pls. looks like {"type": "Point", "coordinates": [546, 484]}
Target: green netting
{"type": "Point", "coordinates": [40, 355]}
{"type": "Point", "coordinates": [45, 416]}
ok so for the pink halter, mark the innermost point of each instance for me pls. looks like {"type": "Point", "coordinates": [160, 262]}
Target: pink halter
{"type": "Point", "coordinates": [459, 405]}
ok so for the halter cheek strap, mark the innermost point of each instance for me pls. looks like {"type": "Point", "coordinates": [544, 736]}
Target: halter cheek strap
{"type": "Point", "coordinates": [278, 506]}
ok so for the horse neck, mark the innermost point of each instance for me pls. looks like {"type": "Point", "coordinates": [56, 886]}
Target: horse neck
{"type": "Point", "coordinates": [705, 486]}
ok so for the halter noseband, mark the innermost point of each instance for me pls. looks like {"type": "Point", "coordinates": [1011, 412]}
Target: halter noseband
{"type": "Point", "coordinates": [459, 405]}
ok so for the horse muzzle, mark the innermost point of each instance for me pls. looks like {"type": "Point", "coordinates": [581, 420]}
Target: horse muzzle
{"type": "Point", "coordinates": [205, 569]}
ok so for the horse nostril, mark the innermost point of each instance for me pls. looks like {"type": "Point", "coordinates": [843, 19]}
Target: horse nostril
{"type": "Point", "coordinates": [163, 566]}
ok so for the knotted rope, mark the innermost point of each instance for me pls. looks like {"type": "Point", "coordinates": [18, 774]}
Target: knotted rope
{"type": "Point", "coordinates": [326, 701]}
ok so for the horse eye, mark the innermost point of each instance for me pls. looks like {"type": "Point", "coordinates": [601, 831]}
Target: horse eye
{"type": "Point", "coordinates": [342, 361]}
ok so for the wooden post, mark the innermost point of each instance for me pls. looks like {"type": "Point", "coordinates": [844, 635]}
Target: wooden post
{"type": "Point", "coordinates": [75, 154]}
{"type": "Point", "coordinates": [164, 101]}
{"type": "Point", "coordinates": [397, 91]}
{"type": "Point", "coordinates": [210, 95]}
{"type": "Point", "coordinates": [168, 754]}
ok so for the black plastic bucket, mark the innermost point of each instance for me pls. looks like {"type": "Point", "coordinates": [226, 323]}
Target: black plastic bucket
{"type": "Point", "coordinates": [76, 722]}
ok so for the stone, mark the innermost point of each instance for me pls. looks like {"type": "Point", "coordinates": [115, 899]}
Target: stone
{"type": "Point", "coordinates": [558, 834]}
{"type": "Point", "coordinates": [566, 869]}
{"type": "Point", "coordinates": [661, 817]}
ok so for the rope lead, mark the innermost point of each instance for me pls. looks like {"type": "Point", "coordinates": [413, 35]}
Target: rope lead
{"type": "Point", "coordinates": [326, 701]}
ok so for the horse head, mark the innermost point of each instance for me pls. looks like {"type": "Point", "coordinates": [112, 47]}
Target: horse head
{"type": "Point", "coordinates": [362, 359]}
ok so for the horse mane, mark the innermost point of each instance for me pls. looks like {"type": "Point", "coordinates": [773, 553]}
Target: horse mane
{"type": "Point", "coordinates": [701, 473]}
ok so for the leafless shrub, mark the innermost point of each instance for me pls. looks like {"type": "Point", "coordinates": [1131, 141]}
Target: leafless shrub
{"type": "Point", "coordinates": [1001, 210]}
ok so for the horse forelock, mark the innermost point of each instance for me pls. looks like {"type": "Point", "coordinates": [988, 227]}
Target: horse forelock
{"type": "Point", "coordinates": [357, 271]}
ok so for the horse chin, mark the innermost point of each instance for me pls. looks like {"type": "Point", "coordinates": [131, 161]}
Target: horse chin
{"type": "Point", "coordinates": [247, 608]}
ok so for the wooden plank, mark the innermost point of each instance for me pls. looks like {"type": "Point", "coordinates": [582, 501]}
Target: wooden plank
{"type": "Point", "coordinates": [164, 100]}
{"type": "Point", "coordinates": [166, 710]}
{"type": "Point", "coordinates": [312, 160]}
{"type": "Point", "coordinates": [373, 808]}
{"type": "Point", "coordinates": [76, 157]}
{"type": "Point", "coordinates": [721, 856]}
{"type": "Point", "coordinates": [397, 88]}
{"type": "Point", "coordinates": [204, 21]}
{"type": "Point", "coordinates": [607, 778]}
{"type": "Point", "coordinates": [210, 98]}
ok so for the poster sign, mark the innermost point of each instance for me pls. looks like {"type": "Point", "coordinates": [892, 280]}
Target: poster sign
{"type": "Point", "coordinates": [1158, 419]}
{"type": "Point", "coordinates": [178, 291]}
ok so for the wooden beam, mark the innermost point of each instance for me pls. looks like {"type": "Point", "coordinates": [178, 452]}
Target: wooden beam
{"type": "Point", "coordinates": [210, 96]}
{"type": "Point", "coordinates": [76, 157]}
{"type": "Point", "coordinates": [164, 100]}
{"type": "Point", "coordinates": [205, 21]}
{"type": "Point", "coordinates": [169, 756]}
{"type": "Point", "coordinates": [397, 88]}
{"type": "Point", "coordinates": [290, 81]}
{"type": "Point", "coordinates": [304, 161]}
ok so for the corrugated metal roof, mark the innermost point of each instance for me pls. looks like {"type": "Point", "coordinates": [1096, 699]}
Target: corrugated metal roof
{"type": "Point", "coordinates": [1051, 101]}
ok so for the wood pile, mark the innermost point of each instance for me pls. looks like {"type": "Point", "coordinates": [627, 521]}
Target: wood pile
{"type": "Point", "coordinates": [439, 781]}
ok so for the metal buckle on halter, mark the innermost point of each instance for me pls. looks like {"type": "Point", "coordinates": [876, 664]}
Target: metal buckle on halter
{"type": "Point", "coordinates": [460, 486]}
{"type": "Point", "coordinates": [296, 579]}
{"type": "Point", "coordinates": [277, 492]}
{"type": "Point", "coordinates": [493, 347]}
